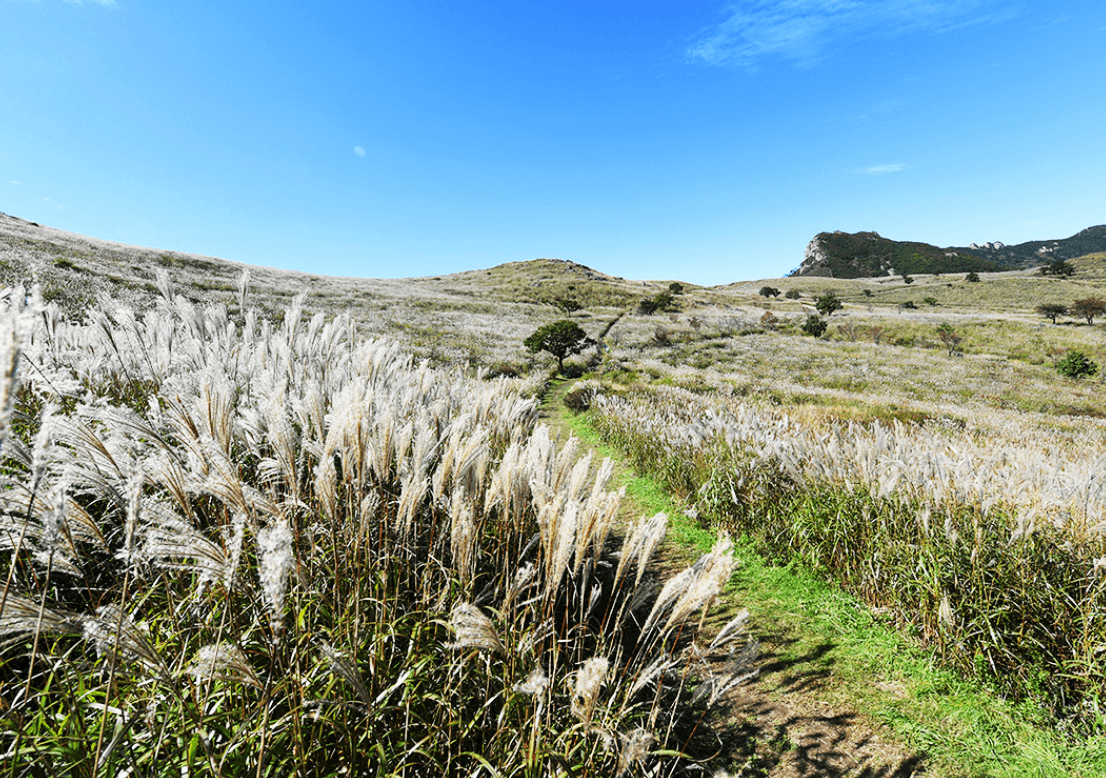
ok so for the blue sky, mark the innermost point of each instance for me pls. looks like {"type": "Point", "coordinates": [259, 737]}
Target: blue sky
{"type": "Point", "coordinates": [699, 140]}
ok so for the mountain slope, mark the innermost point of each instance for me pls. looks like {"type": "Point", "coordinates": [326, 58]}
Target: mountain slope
{"type": "Point", "coordinates": [868, 254]}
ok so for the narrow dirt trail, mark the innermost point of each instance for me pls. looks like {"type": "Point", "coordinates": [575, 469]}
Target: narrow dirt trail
{"type": "Point", "coordinates": [780, 725]}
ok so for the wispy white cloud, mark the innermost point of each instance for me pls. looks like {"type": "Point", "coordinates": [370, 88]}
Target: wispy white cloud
{"type": "Point", "coordinates": [801, 30]}
{"type": "Point", "coordinates": [882, 170]}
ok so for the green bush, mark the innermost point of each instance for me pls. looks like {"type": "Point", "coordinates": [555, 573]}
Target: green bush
{"type": "Point", "coordinates": [815, 326]}
{"type": "Point", "coordinates": [659, 302]}
{"type": "Point", "coordinates": [792, 294]}
{"type": "Point", "coordinates": [1076, 364]}
{"type": "Point", "coordinates": [827, 304]}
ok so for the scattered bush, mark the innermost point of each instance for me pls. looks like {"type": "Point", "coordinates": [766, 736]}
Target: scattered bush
{"type": "Point", "coordinates": [769, 291]}
{"type": "Point", "coordinates": [1076, 364]}
{"type": "Point", "coordinates": [972, 277]}
{"type": "Point", "coordinates": [574, 370]}
{"type": "Point", "coordinates": [931, 301]}
{"type": "Point", "coordinates": [676, 287]}
{"type": "Point", "coordinates": [660, 302]}
{"type": "Point", "coordinates": [579, 399]}
{"type": "Point", "coordinates": [815, 326]}
{"type": "Point", "coordinates": [792, 294]}
{"type": "Point", "coordinates": [828, 303]}
{"type": "Point", "coordinates": [1060, 268]}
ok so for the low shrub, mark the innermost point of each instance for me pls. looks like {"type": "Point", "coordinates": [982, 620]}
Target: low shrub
{"type": "Point", "coordinates": [1076, 364]}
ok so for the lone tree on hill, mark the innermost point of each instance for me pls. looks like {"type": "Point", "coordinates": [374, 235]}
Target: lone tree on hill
{"type": "Point", "coordinates": [561, 338]}
{"type": "Point", "coordinates": [1087, 308]}
{"type": "Point", "coordinates": [947, 335]}
{"type": "Point", "coordinates": [1052, 310]}
{"type": "Point", "coordinates": [769, 291]}
{"type": "Point", "coordinates": [828, 303]}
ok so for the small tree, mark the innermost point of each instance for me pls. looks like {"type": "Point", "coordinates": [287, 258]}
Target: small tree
{"type": "Point", "coordinates": [793, 294]}
{"type": "Point", "coordinates": [1087, 308]}
{"type": "Point", "coordinates": [1076, 364]}
{"type": "Point", "coordinates": [907, 279]}
{"type": "Point", "coordinates": [972, 277]}
{"type": "Point", "coordinates": [1052, 310]}
{"type": "Point", "coordinates": [815, 326]}
{"type": "Point", "coordinates": [659, 302]}
{"type": "Point", "coordinates": [769, 291]}
{"type": "Point", "coordinates": [676, 287]}
{"type": "Point", "coordinates": [947, 335]}
{"type": "Point", "coordinates": [827, 304]}
{"type": "Point", "coordinates": [561, 338]}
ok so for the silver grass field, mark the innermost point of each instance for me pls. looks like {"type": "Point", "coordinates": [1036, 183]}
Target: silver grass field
{"type": "Point", "coordinates": [242, 545]}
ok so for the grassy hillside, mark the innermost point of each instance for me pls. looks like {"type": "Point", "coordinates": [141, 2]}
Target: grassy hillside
{"type": "Point", "coordinates": [967, 467]}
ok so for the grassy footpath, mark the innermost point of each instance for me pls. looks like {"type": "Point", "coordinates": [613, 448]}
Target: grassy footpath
{"type": "Point", "coordinates": [867, 665]}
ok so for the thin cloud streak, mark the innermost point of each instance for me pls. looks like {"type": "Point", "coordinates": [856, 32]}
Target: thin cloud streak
{"type": "Point", "coordinates": [800, 30]}
{"type": "Point", "coordinates": [882, 170]}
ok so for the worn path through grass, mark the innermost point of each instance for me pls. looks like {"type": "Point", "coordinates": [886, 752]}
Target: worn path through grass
{"type": "Point", "coordinates": [797, 718]}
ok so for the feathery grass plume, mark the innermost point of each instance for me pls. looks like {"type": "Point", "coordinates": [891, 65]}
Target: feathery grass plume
{"type": "Point", "coordinates": [586, 684]}
{"type": "Point", "coordinates": [410, 501]}
{"type": "Point", "coordinates": [243, 289]}
{"type": "Point", "coordinates": [56, 550]}
{"type": "Point", "coordinates": [342, 667]}
{"type": "Point", "coordinates": [22, 617]}
{"type": "Point", "coordinates": [275, 544]}
{"type": "Point", "coordinates": [734, 628]}
{"type": "Point", "coordinates": [121, 643]}
{"type": "Point", "coordinates": [644, 537]}
{"type": "Point", "coordinates": [223, 662]}
{"type": "Point", "coordinates": [693, 587]}
{"type": "Point", "coordinates": [171, 543]}
{"type": "Point", "coordinates": [633, 748]}
{"type": "Point", "coordinates": [473, 629]}
{"type": "Point", "coordinates": [651, 672]}
{"type": "Point", "coordinates": [737, 671]}
{"type": "Point", "coordinates": [9, 374]}
{"type": "Point", "coordinates": [326, 487]}
{"type": "Point", "coordinates": [535, 683]}
{"type": "Point", "coordinates": [713, 570]}
{"type": "Point", "coordinates": [133, 496]}
{"type": "Point", "coordinates": [463, 537]}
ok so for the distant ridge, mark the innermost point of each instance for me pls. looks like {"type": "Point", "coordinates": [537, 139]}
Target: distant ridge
{"type": "Point", "coordinates": [868, 254]}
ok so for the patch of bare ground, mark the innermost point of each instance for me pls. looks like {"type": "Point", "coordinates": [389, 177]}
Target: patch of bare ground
{"type": "Point", "coordinates": [788, 722]}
